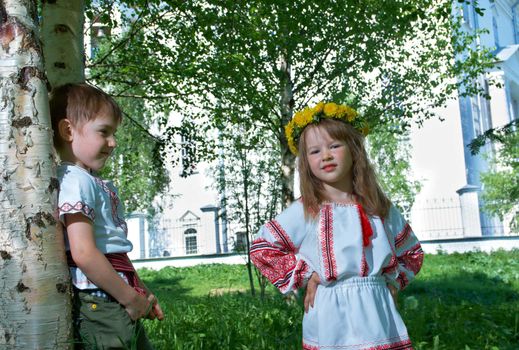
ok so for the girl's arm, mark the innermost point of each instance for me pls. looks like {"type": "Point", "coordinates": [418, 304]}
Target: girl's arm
{"type": "Point", "coordinates": [98, 269]}
{"type": "Point", "coordinates": [275, 250]}
{"type": "Point", "coordinates": [409, 253]}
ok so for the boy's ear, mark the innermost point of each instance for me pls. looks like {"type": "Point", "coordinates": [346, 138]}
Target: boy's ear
{"type": "Point", "coordinates": [65, 130]}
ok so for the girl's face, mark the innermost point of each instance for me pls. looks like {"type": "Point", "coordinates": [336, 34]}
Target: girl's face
{"type": "Point", "coordinates": [93, 142]}
{"type": "Point", "coordinates": [330, 160]}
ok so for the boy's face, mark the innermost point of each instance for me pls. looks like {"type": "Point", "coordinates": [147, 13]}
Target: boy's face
{"type": "Point", "coordinates": [93, 142]}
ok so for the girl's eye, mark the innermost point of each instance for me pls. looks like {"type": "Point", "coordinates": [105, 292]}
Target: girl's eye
{"type": "Point", "coordinates": [314, 151]}
{"type": "Point", "coordinates": [336, 145]}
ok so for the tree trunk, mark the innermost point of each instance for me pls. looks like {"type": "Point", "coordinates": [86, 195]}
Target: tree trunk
{"type": "Point", "coordinates": [62, 37]}
{"type": "Point", "coordinates": [35, 310]}
{"type": "Point", "coordinates": [286, 106]}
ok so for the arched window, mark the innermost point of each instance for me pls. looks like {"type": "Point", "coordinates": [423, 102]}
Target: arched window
{"type": "Point", "coordinates": [190, 239]}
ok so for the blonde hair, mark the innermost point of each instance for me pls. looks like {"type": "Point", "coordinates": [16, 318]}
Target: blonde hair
{"type": "Point", "coordinates": [365, 185]}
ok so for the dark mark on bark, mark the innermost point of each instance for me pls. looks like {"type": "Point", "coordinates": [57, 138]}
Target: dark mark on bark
{"type": "Point", "coordinates": [50, 219]}
{"type": "Point", "coordinates": [54, 184]}
{"type": "Point", "coordinates": [7, 336]}
{"type": "Point", "coordinates": [28, 229]}
{"type": "Point", "coordinates": [5, 255]}
{"type": "Point", "coordinates": [27, 73]}
{"type": "Point", "coordinates": [61, 287]}
{"type": "Point", "coordinates": [61, 28]}
{"type": "Point", "coordinates": [22, 122]}
{"type": "Point", "coordinates": [20, 287]}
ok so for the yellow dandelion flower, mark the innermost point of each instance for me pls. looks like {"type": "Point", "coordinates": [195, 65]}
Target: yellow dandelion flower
{"type": "Point", "coordinates": [330, 109]}
{"type": "Point", "coordinates": [318, 108]}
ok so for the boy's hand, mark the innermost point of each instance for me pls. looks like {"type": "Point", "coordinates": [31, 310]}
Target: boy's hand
{"type": "Point", "coordinates": [311, 289]}
{"type": "Point", "coordinates": [138, 307]}
{"type": "Point", "coordinates": [156, 310]}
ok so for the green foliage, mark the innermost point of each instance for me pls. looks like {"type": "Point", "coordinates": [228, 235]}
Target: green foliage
{"type": "Point", "coordinates": [501, 182]}
{"type": "Point", "coordinates": [458, 301]}
{"type": "Point", "coordinates": [390, 152]}
{"type": "Point", "coordinates": [252, 63]}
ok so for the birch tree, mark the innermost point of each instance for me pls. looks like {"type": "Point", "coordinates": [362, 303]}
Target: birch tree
{"type": "Point", "coordinates": [63, 41]}
{"type": "Point", "coordinates": [34, 291]}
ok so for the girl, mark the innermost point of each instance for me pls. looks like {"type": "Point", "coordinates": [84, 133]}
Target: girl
{"type": "Point", "coordinates": [342, 239]}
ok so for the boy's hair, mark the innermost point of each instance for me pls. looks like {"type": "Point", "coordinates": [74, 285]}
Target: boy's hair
{"type": "Point", "coordinates": [365, 185]}
{"type": "Point", "coordinates": [79, 103]}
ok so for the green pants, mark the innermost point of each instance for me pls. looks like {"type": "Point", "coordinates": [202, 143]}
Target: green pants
{"type": "Point", "coordinates": [104, 324]}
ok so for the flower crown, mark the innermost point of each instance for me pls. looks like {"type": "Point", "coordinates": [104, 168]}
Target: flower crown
{"type": "Point", "coordinates": [321, 111]}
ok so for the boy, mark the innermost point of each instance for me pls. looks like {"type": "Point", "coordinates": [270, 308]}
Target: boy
{"type": "Point", "coordinates": [109, 298]}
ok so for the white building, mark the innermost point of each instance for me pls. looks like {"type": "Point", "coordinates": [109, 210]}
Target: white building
{"type": "Point", "coordinates": [449, 204]}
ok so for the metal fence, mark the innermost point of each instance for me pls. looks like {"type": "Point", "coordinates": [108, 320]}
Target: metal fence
{"type": "Point", "coordinates": [441, 218]}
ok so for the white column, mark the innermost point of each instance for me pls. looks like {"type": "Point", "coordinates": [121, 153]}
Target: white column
{"type": "Point", "coordinates": [470, 210]}
{"type": "Point", "coordinates": [500, 101]}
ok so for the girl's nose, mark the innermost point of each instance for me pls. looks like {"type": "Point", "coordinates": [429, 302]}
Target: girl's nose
{"type": "Point", "coordinates": [327, 156]}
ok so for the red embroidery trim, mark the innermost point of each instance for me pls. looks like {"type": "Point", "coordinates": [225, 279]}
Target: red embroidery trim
{"type": "Point", "coordinates": [274, 262]}
{"type": "Point", "coordinates": [309, 347]}
{"type": "Point", "coordinates": [326, 237]}
{"type": "Point", "coordinates": [402, 237]}
{"type": "Point", "coordinates": [114, 200]}
{"type": "Point", "coordinates": [367, 230]}
{"type": "Point", "coordinates": [364, 268]}
{"type": "Point", "coordinates": [412, 259]}
{"type": "Point", "coordinates": [280, 235]}
{"type": "Point", "coordinates": [82, 207]}
{"type": "Point", "coordinates": [401, 345]}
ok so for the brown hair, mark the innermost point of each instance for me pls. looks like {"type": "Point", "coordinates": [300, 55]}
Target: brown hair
{"type": "Point", "coordinates": [79, 103]}
{"type": "Point", "coordinates": [365, 184]}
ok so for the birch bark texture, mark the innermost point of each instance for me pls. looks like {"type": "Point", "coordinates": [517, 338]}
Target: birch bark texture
{"type": "Point", "coordinates": [63, 41]}
{"type": "Point", "coordinates": [34, 281]}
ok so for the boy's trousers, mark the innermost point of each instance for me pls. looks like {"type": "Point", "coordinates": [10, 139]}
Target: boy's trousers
{"type": "Point", "coordinates": [103, 323]}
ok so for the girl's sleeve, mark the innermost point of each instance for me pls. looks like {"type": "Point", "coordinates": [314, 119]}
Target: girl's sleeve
{"type": "Point", "coordinates": [275, 250]}
{"type": "Point", "coordinates": [407, 249]}
{"type": "Point", "coordinates": [76, 195]}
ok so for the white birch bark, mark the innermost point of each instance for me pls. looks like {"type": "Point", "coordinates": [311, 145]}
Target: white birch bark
{"type": "Point", "coordinates": [34, 282]}
{"type": "Point", "coordinates": [286, 106]}
{"type": "Point", "coordinates": [62, 37]}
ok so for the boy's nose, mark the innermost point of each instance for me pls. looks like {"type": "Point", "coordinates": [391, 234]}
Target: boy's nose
{"type": "Point", "coordinates": [111, 142]}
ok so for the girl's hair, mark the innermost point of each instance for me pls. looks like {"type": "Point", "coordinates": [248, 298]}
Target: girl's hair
{"type": "Point", "coordinates": [365, 186]}
{"type": "Point", "coordinates": [79, 103]}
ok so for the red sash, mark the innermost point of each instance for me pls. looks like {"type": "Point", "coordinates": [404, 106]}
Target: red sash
{"type": "Point", "coordinates": [120, 263]}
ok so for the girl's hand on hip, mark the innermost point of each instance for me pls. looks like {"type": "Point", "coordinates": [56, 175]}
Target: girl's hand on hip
{"type": "Point", "coordinates": [311, 289]}
{"type": "Point", "coordinates": [394, 293]}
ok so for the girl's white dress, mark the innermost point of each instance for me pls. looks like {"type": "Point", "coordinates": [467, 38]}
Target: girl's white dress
{"type": "Point", "coordinates": [353, 307]}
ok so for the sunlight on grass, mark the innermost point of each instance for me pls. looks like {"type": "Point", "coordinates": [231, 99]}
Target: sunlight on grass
{"type": "Point", "coordinates": [460, 301]}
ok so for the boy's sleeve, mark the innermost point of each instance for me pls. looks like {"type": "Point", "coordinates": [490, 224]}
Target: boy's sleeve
{"type": "Point", "coordinates": [76, 195]}
{"type": "Point", "coordinates": [408, 251]}
{"type": "Point", "coordinates": [275, 250]}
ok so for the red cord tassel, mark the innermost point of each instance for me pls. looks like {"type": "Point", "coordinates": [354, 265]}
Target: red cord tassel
{"type": "Point", "coordinates": [367, 230]}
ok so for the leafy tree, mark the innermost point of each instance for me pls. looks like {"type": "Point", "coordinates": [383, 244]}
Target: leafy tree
{"type": "Point", "coordinates": [249, 176]}
{"type": "Point", "coordinates": [390, 152]}
{"type": "Point", "coordinates": [501, 182]}
{"type": "Point", "coordinates": [255, 62]}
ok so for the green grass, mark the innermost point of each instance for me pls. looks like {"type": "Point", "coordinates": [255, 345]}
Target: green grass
{"type": "Point", "coordinates": [459, 301]}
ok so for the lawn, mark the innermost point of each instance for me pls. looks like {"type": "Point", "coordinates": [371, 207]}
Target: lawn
{"type": "Point", "coordinates": [458, 301]}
